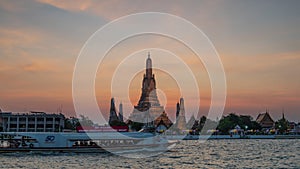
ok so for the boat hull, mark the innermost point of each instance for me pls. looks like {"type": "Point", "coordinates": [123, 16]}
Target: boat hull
{"type": "Point", "coordinates": [114, 149]}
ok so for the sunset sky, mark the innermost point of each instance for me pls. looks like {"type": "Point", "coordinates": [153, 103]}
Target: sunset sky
{"type": "Point", "coordinates": [258, 43]}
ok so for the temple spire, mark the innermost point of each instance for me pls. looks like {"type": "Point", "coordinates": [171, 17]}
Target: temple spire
{"type": "Point", "coordinates": [177, 110]}
{"type": "Point", "coordinates": [181, 121]}
{"type": "Point", "coordinates": [283, 114]}
{"type": "Point", "coordinates": [121, 118]}
{"type": "Point", "coordinates": [149, 67]}
{"type": "Point", "coordinates": [113, 114]}
{"type": "Point", "coordinates": [181, 105]}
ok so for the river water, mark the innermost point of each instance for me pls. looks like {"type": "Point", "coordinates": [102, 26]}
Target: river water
{"type": "Point", "coordinates": [186, 154]}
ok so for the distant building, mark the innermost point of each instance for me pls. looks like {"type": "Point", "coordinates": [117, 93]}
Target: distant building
{"type": "Point", "coordinates": [32, 122]}
{"type": "Point", "coordinates": [294, 128]}
{"type": "Point", "coordinates": [265, 120]}
{"type": "Point", "coordinates": [163, 120]}
{"type": "Point", "coordinates": [161, 127]}
{"type": "Point", "coordinates": [292, 125]}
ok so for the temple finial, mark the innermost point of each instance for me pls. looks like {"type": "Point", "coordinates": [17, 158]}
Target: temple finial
{"type": "Point", "coordinates": [149, 67]}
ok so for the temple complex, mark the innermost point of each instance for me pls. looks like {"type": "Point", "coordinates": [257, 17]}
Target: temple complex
{"type": "Point", "coordinates": [265, 120]}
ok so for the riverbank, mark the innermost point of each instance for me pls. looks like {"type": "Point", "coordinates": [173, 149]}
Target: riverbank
{"type": "Point", "coordinates": [215, 137]}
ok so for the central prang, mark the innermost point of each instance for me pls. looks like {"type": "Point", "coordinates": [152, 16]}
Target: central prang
{"type": "Point", "coordinates": [148, 110]}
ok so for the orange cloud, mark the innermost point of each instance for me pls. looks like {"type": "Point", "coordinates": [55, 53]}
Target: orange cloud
{"type": "Point", "coordinates": [101, 8]}
{"type": "Point", "coordinates": [116, 8]}
{"type": "Point", "coordinates": [38, 67]}
{"type": "Point", "coordinates": [75, 5]}
{"type": "Point", "coordinates": [10, 38]}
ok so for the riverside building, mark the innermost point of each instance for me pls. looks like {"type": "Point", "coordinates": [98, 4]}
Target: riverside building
{"type": "Point", "coordinates": [32, 122]}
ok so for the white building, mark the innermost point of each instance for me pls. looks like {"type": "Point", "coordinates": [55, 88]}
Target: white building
{"type": "Point", "coordinates": [32, 122]}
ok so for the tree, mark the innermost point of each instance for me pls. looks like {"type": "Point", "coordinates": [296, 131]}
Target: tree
{"type": "Point", "coordinates": [235, 119]}
{"type": "Point", "coordinates": [117, 123]}
{"type": "Point", "coordinates": [203, 120]}
{"type": "Point", "coordinates": [229, 122]}
{"type": "Point", "coordinates": [85, 121]}
{"type": "Point", "coordinates": [282, 125]}
{"type": "Point", "coordinates": [209, 125]}
{"type": "Point", "coordinates": [68, 124]}
{"type": "Point", "coordinates": [201, 123]}
{"type": "Point", "coordinates": [71, 123]}
{"type": "Point", "coordinates": [245, 122]}
{"type": "Point", "coordinates": [225, 125]}
{"type": "Point", "coordinates": [136, 126]}
{"type": "Point", "coordinates": [255, 125]}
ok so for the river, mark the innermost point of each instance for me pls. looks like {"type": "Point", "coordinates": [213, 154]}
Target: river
{"type": "Point", "coordinates": [190, 154]}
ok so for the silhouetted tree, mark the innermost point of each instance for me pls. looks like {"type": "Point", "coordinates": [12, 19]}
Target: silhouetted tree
{"type": "Point", "coordinates": [201, 123]}
{"type": "Point", "coordinates": [229, 122]}
{"type": "Point", "coordinates": [85, 121]}
{"type": "Point", "coordinates": [136, 126]}
{"type": "Point", "coordinates": [225, 125]}
{"type": "Point", "coordinates": [117, 123]}
{"type": "Point", "coordinates": [282, 125]}
{"type": "Point", "coordinates": [68, 124]}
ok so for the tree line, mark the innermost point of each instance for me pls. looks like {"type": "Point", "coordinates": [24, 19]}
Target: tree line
{"type": "Point", "coordinates": [201, 126]}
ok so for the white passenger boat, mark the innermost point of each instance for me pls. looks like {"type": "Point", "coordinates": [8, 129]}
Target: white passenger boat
{"type": "Point", "coordinates": [82, 142]}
